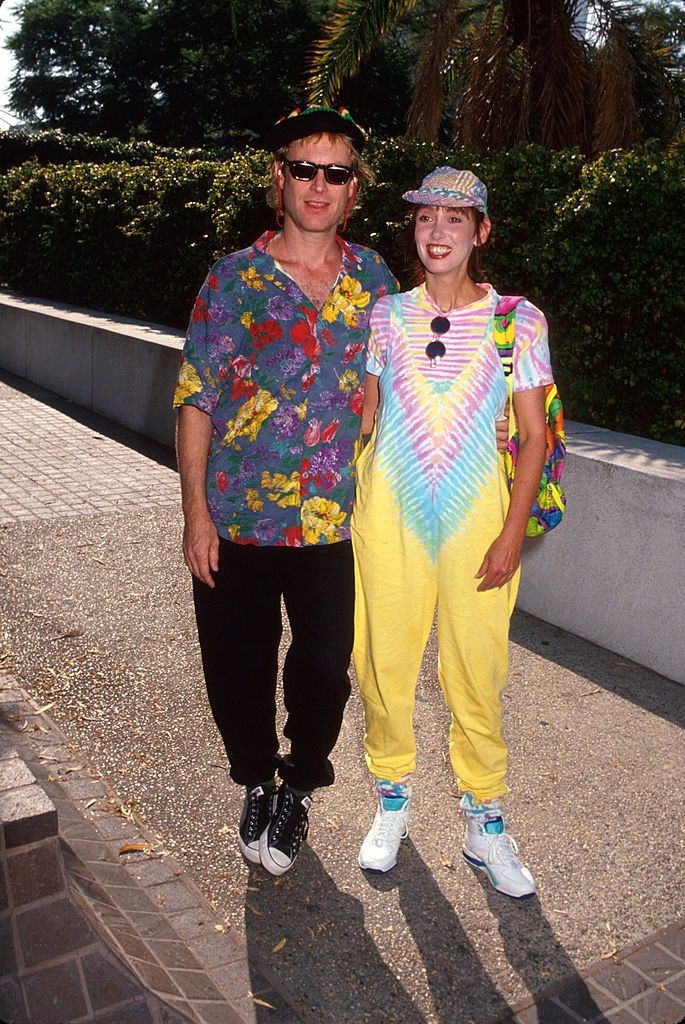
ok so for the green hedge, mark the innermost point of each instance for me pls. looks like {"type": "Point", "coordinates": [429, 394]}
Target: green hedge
{"type": "Point", "coordinates": [615, 290]}
{"type": "Point", "coordinates": [56, 147]}
{"type": "Point", "coordinates": [600, 247]}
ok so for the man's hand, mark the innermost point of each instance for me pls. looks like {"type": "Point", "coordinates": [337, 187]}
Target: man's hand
{"type": "Point", "coordinates": [201, 547]}
{"type": "Point", "coordinates": [500, 563]}
{"type": "Point", "coordinates": [502, 430]}
{"type": "Point", "coordinates": [200, 539]}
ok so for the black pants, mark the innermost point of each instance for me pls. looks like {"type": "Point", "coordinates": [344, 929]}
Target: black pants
{"type": "Point", "coordinates": [239, 627]}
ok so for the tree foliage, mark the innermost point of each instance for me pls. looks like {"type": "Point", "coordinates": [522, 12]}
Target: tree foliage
{"type": "Point", "coordinates": [507, 72]}
{"type": "Point", "coordinates": [80, 64]}
{"type": "Point", "coordinates": [187, 72]}
{"type": "Point", "coordinates": [176, 71]}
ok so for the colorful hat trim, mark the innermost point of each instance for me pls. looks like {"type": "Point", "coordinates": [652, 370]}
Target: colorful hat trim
{"type": "Point", "coordinates": [299, 124]}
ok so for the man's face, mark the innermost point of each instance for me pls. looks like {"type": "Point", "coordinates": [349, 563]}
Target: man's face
{"type": "Point", "coordinates": [316, 206]}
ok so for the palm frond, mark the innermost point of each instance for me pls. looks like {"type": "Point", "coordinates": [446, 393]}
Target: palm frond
{"type": "Point", "coordinates": [607, 12]}
{"type": "Point", "coordinates": [488, 110]}
{"type": "Point", "coordinates": [428, 100]}
{"type": "Point", "coordinates": [560, 79]}
{"type": "Point", "coordinates": [660, 84]}
{"type": "Point", "coordinates": [616, 117]}
{"type": "Point", "coordinates": [349, 36]}
{"type": "Point", "coordinates": [639, 80]}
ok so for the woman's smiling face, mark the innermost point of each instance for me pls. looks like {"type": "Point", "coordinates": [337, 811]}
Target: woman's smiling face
{"type": "Point", "coordinates": [445, 237]}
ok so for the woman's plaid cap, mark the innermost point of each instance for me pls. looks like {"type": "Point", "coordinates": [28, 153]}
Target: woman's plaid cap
{"type": "Point", "coordinates": [448, 187]}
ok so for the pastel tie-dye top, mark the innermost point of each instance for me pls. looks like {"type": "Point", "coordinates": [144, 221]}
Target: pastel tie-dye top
{"type": "Point", "coordinates": [433, 452]}
{"type": "Point", "coordinates": [532, 367]}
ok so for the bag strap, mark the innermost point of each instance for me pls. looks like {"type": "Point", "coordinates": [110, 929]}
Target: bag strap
{"type": "Point", "coordinates": [505, 331]}
{"type": "Point", "coordinates": [507, 303]}
{"type": "Point", "coordinates": [505, 336]}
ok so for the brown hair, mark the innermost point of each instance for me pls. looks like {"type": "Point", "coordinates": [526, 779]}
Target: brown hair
{"type": "Point", "coordinates": [362, 171]}
{"type": "Point", "coordinates": [416, 272]}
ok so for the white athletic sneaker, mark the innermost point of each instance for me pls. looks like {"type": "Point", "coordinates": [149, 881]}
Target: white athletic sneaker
{"type": "Point", "coordinates": [488, 847]}
{"type": "Point", "coordinates": [390, 826]}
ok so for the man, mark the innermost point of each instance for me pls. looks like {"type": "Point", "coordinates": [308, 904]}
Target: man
{"type": "Point", "coordinates": [270, 400]}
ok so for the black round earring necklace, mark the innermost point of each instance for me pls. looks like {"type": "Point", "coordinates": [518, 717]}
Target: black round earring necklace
{"type": "Point", "coordinates": [435, 349]}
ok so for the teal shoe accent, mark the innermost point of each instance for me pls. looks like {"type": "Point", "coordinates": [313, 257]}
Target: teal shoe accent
{"type": "Point", "coordinates": [494, 827]}
{"type": "Point", "coordinates": [393, 803]}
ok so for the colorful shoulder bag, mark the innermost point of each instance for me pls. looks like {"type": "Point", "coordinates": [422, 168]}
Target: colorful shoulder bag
{"type": "Point", "coordinates": [550, 501]}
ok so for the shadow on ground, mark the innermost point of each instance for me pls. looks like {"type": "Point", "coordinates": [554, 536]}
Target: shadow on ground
{"type": "Point", "coordinates": [646, 689]}
{"type": "Point", "coordinates": [336, 957]}
{"type": "Point", "coordinates": [534, 952]}
{"type": "Point", "coordinates": [337, 962]}
{"type": "Point", "coordinates": [159, 453]}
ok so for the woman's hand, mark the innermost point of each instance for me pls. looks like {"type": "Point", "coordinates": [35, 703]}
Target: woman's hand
{"type": "Point", "coordinates": [500, 563]}
{"type": "Point", "coordinates": [504, 554]}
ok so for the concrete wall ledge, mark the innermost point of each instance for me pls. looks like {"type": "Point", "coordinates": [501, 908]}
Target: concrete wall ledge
{"type": "Point", "coordinates": [121, 368]}
{"type": "Point", "coordinates": [611, 573]}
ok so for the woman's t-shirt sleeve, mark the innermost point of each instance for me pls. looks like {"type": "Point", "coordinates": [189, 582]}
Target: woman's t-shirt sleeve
{"type": "Point", "coordinates": [532, 366]}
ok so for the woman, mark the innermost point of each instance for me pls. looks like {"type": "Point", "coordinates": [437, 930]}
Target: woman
{"type": "Point", "coordinates": [433, 524]}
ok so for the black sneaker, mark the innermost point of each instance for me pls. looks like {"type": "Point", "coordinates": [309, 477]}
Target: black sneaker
{"type": "Point", "coordinates": [280, 842]}
{"type": "Point", "coordinates": [254, 820]}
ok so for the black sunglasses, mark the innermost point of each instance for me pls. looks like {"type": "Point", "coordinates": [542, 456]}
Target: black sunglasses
{"type": "Point", "coordinates": [304, 170]}
{"type": "Point", "coordinates": [435, 349]}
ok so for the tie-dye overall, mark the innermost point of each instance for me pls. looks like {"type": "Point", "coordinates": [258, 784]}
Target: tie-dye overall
{"type": "Point", "coordinates": [431, 497]}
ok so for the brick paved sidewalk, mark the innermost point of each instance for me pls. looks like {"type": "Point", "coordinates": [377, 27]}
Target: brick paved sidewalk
{"type": "Point", "coordinates": [82, 470]}
{"type": "Point", "coordinates": [97, 922]}
{"type": "Point", "coordinates": [643, 984]}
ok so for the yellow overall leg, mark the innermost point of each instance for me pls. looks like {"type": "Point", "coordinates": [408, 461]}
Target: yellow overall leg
{"type": "Point", "coordinates": [396, 591]}
{"type": "Point", "coordinates": [473, 663]}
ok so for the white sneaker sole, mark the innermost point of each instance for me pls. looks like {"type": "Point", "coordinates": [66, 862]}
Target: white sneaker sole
{"type": "Point", "coordinates": [266, 860]}
{"type": "Point", "coordinates": [480, 865]}
{"type": "Point", "coordinates": [248, 853]}
{"type": "Point", "coordinates": [376, 870]}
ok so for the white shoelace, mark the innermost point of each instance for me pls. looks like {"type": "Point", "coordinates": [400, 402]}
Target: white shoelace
{"type": "Point", "coordinates": [388, 827]}
{"type": "Point", "coordinates": [503, 851]}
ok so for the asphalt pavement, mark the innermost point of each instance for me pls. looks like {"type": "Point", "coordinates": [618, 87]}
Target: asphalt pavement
{"type": "Point", "coordinates": [96, 620]}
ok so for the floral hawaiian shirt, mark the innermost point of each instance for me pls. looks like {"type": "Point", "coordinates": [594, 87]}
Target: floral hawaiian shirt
{"type": "Point", "coordinates": [282, 382]}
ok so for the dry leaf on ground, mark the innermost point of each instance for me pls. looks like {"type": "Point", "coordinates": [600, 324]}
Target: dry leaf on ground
{"type": "Point", "coordinates": [136, 848]}
{"type": "Point", "coordinates": [68, 635]}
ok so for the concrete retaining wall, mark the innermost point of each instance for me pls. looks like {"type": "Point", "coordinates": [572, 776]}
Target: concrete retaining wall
{"type": "Point", "coordinates": [122, 369]}
{"type": "Point", "coordinates": [611, 573]}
